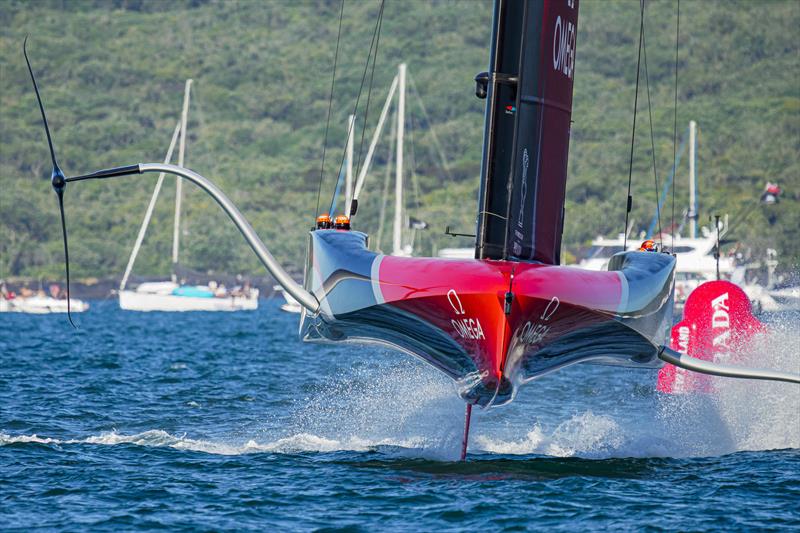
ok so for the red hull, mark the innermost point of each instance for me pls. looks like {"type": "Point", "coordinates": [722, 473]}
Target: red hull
{"type": "Point", "coordinates": [490, 325]}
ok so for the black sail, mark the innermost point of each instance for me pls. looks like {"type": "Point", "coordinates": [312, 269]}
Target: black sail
{"type": "Point", "coordinates": [526, 139]}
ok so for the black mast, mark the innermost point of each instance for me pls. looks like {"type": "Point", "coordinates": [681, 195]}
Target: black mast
{"type": "Point", "coordinates": [528, 110]}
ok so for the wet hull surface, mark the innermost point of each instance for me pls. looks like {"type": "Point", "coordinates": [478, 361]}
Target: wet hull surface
{"type": "Point", "coordinates": [489, 325]}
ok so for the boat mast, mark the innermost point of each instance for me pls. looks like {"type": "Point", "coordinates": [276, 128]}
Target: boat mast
{"type": "Point", "coordinates": [178, 185]}
{"type": "Point", "coordinates": [397, 244]}
{"type": "Point", "coordinates": [692, 180]}
{"type": "Point", "coordinates": [362, 174]}
{"type": "Point", "coordinates": [149, 213]}
{"type": "Point", "coordinates": [528, 92]}
{"type": "Point", "coordinates": [348, 178]}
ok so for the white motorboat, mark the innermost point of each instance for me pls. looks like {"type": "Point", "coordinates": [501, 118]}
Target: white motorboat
{"type": "Point", "coordinates": [41, 305]}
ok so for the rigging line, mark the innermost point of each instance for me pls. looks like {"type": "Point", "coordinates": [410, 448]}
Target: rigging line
{"type": "Point", "coordinates": [369, 92]}
{"type": "Point", "coordinates": [414, 178]}
{"type": "Point", "coordinates": [675, 117]}
{"type": "Point", "coordinates": [360, 90]}
{"type": "Point", "coordinates": [409, 133]}
{"type": "Point", "coordinates": [629, 200]}
{"type": "Point", "coordinates": [386, 180]}
{"type": "Point", "coordinates": [199, 139]}
{"type": "Point", "coordinates": [445, 166]}
{"type": "Point", "coordinates": [652, 142]}
{"type": "Point", "coordinates": [330, 105]}
{"type": "Point", "coordinates": [414, 181]}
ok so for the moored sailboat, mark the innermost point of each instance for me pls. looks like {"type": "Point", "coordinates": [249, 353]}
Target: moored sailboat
{"type": "Point", "coordinates": [170, 295]}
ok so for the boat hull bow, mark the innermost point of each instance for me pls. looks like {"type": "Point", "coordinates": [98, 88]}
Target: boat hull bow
{"type": "Point", "coordinates": [489, 325]}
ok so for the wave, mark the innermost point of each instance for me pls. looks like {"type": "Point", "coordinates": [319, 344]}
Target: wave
{"type": "Point", "coordinates": [406, 410]}
{"type": "Point", "coordinates": [151, 438]}
{"type": "Point", "coordinates": [685, 428]}
{"type": "Point", "coordinates": [157, 438]}
{"type": "Point", "coordinates": [8, 439]}
{"type": "Point", "coordinates": [586, 435]}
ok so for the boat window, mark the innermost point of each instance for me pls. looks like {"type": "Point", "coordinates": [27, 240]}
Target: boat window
{"type": "Point", "coordinates": [682, 249]}
{"type": "Point", "coordinates": [687, 276]}
{"type": "Point", "coordinates": [599, 252]}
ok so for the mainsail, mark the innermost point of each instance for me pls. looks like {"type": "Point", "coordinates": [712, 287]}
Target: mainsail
{"type": "Point", "coordinates": [526, 140]}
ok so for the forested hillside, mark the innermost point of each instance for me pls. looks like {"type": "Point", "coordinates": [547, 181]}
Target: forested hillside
{"type": "Point", "coordinates": [112, 75]}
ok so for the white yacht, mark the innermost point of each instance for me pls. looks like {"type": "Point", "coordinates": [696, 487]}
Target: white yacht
{"type": "Point", "coordinates": [696, 263]}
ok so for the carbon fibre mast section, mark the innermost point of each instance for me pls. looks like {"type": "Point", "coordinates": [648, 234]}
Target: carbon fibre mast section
{"type": "Point", "coordinates": [528, 89]}
{"type": "Point", "coordinates": [453, 314]}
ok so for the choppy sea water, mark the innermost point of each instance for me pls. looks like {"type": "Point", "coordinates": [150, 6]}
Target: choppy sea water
{"type": "Point", "coordinates": [227, 421]}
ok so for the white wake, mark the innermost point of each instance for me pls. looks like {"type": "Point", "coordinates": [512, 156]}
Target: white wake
{"type": "Point", "coordinates": [412, 411]}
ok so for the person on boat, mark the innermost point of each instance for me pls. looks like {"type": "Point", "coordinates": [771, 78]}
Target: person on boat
{"type": "Point", "coordinates": [649, 246]}
{"type": "Point", "coordinates": [771, 194]}
{"type": "Point", "coordinates": [241, 291]}
{"type": "Point", "coordinates": [6, 294]}
{"type": "Point", "coordinates": [220, 291]}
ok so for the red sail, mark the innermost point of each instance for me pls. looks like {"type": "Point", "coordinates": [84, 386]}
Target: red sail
{"type": "Point", "coordinates": [527, 130]}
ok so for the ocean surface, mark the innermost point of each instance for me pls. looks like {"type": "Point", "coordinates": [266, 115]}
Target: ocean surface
{"type": "Point", "coordinates": [215, 421]}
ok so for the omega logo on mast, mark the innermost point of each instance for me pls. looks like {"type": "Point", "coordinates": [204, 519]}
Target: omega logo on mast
{"type": "Point", "coordinates": [564, 47]}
